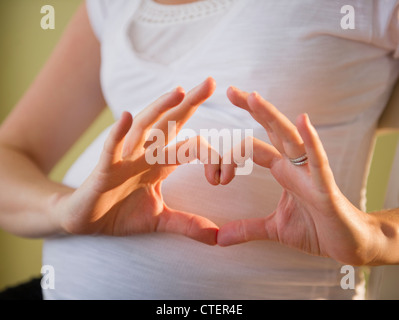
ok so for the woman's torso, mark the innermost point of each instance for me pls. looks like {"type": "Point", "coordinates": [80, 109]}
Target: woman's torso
{"type": "Point", "coordinates": [296, 55]}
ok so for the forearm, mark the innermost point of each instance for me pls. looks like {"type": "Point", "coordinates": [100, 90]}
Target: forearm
{"type": "Point", "coordinates": [27, 196]}
{"type": "Point", "coordinates": [62, 102]}
{"type": "Point", "coordinates": [387, 238]}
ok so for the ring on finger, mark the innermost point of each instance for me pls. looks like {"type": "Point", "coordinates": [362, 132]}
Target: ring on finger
{"type": "Point", "coordinates": [299, 161]}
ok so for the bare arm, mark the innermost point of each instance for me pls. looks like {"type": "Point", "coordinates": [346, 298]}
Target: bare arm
{"type": "Point", "coordinates": [62, 102]}
{"type": "Point", "coordinates": [122, 195]}
{"type": "Point", "coordinates": [386, 223]}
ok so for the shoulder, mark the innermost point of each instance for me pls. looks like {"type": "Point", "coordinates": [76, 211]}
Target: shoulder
{"type": "Point", "coordinates": [101, 11]}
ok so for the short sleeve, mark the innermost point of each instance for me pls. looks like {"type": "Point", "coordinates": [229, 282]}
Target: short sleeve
{"type": "Point", "coordinates": [385, 25]}
{"type": "Point", "coordinates": [97, 12]}
{"type": "Point", "coordinates": [395, 29]}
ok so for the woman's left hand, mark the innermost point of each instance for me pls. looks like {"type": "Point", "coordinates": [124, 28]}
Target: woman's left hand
{"type": "Point", "coordinates": [312, 214]}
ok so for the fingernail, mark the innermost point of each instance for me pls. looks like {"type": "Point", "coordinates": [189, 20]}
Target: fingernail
{"type": "Point", "coordinates": [221, 177]}
{"type": "Point", "coordinates": [307, 119]}
{"type": "Point", "coordinates": [177, 89]}
{"type": "Point", "coordinates": [217, 177]}
{"type": "Point", "coordinates": [201, 84]}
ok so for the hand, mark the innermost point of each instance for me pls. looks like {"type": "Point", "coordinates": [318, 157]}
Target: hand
{"type": "Point", "coordinates": [312, 214]}
{"type": "Point", "coordinates": [122, 196]}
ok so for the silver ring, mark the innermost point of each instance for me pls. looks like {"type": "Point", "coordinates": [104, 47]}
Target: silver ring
{"type": "Point", "coordinates": [300, 161]}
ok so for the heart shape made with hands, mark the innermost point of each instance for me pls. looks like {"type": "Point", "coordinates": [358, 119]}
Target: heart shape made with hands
{"type": "Point", "coordinates": [123, 195]}
{"type": "Point", "coordinates": [312, 215]}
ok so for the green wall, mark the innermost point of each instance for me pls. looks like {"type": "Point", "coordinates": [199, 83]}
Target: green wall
{"type": "Point", "coordinates": [24, 49]}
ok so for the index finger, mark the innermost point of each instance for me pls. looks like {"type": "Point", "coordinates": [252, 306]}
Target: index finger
{"type": "Point", "coordinates": [282, 132]}
{"type": "Point", "coordinates": [144, 121]}
{"type": "Point", "coordinates": [180, 115]}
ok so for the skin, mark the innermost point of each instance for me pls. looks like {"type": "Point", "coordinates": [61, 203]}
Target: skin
{"type": "Point", "coordinates": [175, 2]}
{"type": "Point", "coordinates": [122, 196]}
{"type": "Point", "coordinates": [312, 214]}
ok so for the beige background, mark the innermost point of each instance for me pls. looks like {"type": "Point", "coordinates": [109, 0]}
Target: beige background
{"type": "Point", "coordinates": [24, 49]}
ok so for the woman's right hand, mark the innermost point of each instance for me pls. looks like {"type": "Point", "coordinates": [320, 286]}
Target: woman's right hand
{"type": "Point", "coordinates": [122, 196]}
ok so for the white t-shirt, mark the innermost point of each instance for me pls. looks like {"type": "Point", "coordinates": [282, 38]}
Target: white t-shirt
{"type": "Point", "coordinates": [296, 55]}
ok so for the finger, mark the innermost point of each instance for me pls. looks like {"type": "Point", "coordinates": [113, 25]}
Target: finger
{"type": "Point", "coordinates": [240, 99]}
{"type": "Point", "coordinates": [241, 231]}
{"type": "Point", "coordinates": [112, 151]}
{"type": "Point", "coordinates": [173, 121]}
{"type": "Point", "coordinates": [192, 149]}
{"type": "Point", "coordinates": [291, 143]}
{"type": "Point", "coordinates": [189, 225]}
{"type": "Point", "coordinates": [317, 158]}
{"type": "Point", "coordinates": [144, 121]}
{"type": "Point", "coordinates": [260, 152]}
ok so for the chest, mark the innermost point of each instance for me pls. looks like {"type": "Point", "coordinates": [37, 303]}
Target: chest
{"type": "Point", "coordinates": [297, 56]}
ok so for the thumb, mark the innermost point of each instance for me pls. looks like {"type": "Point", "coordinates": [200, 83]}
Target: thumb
{"type": "Point", "coordinates": [240, 231]}
{"type": "Point", "coordinates": [187, 224]}
{"type": "Point", "coordinates": [113, 145]}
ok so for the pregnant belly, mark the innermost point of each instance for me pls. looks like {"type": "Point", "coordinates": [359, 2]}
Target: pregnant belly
{"type": "Point", "coordinates": [168, 266]}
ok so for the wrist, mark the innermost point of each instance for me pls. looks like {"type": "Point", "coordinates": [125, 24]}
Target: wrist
{"type": "Point", "coordinates": [56, 209]}
{"type": "Point", "coordinates": [386, 234]}
{"type": "Point", "coordinates": [375, 240]}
